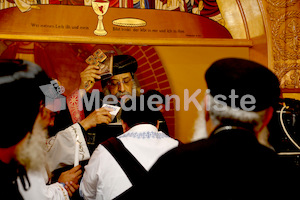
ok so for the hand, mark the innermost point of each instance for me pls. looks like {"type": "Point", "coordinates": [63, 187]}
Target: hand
{"type": "Point", "coordinates": [99, 116]}
{"type": "Point", "coordinates": [88, 77]}
{"type": "Point", "coordinates": [73, 175]}
{"type": "Point", "coordinates": [71, 187]}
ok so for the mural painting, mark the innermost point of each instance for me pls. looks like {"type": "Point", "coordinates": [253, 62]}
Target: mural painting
{"type": "Point", "coordinates": [206, 8]}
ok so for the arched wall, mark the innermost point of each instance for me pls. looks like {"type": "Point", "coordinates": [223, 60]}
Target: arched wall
{"type": "Point", "coordinates": [152, 75]}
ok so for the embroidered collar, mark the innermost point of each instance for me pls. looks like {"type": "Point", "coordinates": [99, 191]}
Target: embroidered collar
{"type": "Point", "coordinates": [144, 131]}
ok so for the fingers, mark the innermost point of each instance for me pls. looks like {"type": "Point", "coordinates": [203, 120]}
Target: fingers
{"type": "Point", "coordinates": [95, 76]}
{"type": "Point", "coordinates": [91, 67]}
{"type": "Point", "coordinates": [105, 120]}
{"type": "Point", "coordinates": [108, 109]}
{"type": "Point", "coordinates": [103, 116]}
{"type": "Point", "coordinates": [105, 111]}
{"type": "Point", "coordinates": [78, 173]}
{"type": "Point", "coordinates": [94, 73]}
{"type": "Point", "coordinates": [74, 185]}
{"type": "Point", "coordinates": [88, 77]}
{"type": "Point", "coordinates": [74, 169]}
{"type": "Point", "coordinates": [69, 191]}
{"type": "Point", "coordinates": [107, 114]}
{"type": "Point", "coordinates": [71, 187]}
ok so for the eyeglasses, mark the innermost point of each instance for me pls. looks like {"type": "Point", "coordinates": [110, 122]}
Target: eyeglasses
{"type": "Point", "coordinates": [116, 83]}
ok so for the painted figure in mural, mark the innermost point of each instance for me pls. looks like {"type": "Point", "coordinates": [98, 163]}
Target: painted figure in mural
{"type": "Point", "coordinates": [206, 8]}
{"type": "Point", "coordinates": [27, 5]}
{"type": "Point", "coordinates": [23, 5]}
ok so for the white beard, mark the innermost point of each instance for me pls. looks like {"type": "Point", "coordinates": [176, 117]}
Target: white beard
{"type": "Point", "coordinates": [200, 131]}
{"type": "Point", "coordinates": [32, 153]}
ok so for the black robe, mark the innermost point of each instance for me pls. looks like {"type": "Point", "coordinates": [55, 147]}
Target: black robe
{"type": "Point", "coordinates": [228, 165]}
{"type": "Point", "coordinates": [8, 180]}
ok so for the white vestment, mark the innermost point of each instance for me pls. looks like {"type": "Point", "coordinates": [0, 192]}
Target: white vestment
{"type": "Point", "coordinates": [104, 178]}
{"type": "Point", "coordinates": [60, 152]}
{"type": "Point", "coordinates": [61, 147]}
{"type": "Point", "coordinates": [39, 190]}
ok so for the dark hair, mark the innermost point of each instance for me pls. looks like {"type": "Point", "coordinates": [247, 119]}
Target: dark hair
{"type": "Point", "coordinates": [142, 114]}
{"type": "Point", "coordinates": [149, 93]}
{"type": "Point", "coordinates": [21, 97]}
{"type": "Point", "coordinates": [244, 77]}
{"type": "Point", "coordinates": [122, 64]}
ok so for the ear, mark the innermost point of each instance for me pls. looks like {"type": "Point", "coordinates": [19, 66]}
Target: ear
{"type": "Point", "coordinates": [267, 118]}
{"type": "Point", "coordinates": [124, 126]}
{"type": "Point", "coordinates": [157, 124]}
{"type": "Point", "coordinates": [42, 111]}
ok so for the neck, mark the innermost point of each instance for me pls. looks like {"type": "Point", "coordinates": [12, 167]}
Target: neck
{"type": "Point", "coordinates": [7, 154]}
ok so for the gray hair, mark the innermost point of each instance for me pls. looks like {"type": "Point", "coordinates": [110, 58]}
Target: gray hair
{"type": "Point", "coordinates": [32, 153]}
{"type": "Point", "coordinates": [222, 114]}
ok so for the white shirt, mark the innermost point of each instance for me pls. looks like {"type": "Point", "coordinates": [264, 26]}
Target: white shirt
{"type": "Point", "coordinates": [104, 178]}
{"type": "Point", "coordinates": [60, 152]}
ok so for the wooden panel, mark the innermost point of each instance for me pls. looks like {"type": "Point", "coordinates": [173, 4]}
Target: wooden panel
{"type": "Point", "coordinates": [77, 24]}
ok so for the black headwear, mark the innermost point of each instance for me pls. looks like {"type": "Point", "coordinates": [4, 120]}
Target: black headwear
{"type": "Point", "coordinates": [246, 78]}
{"type": "Point", "coordinates": [123, 64]}
{"type": "Point", "coordinates": [20, 99]}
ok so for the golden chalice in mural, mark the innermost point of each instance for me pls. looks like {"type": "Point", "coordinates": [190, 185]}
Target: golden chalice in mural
{"type": "Point", "coordinates": [100, 7]}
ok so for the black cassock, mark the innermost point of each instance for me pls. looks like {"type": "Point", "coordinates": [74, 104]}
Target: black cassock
{"type": "Point", "coordinates": [228, 165]}
{"type": "Point", "coordinates": [8, 180]}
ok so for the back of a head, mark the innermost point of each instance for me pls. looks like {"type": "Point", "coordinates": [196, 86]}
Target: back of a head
{"type": "Point", "coordinates": [139, 112]}
{"type": "Point", "coordinates": [245, 78]}
{"type": "Point", "coordinates": [156, 95]}
{"type": "Point", "coordinates": [21, 97]}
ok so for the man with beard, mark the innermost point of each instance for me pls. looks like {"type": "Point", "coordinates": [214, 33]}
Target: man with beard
{"type": "Point", "coordinates": [60, 152]}
{"type": "Point", "coordinates": [231, 163]}
{"type": "Point", "coordinates": [16, 80]}
{"type": "Point", "coordinates": [34, 155]}
{"type": "Point", "coordinates": [122, 83]}
{"type": "Point", "coordinates": [24, 125]}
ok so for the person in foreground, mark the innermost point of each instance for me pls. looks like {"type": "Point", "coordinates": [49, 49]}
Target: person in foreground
{"type": "Point", "coordinates": [23, 160]}
{"type": "Point", "coordinates": [117, 164]}
{"type": "Point", "coordinates": [230, 163]}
